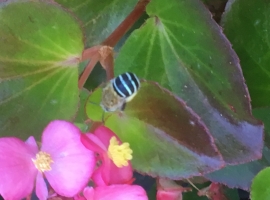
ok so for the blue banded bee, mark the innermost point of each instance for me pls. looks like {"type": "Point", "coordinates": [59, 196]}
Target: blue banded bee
{"type": "Point", "coordinates": [118, 91]}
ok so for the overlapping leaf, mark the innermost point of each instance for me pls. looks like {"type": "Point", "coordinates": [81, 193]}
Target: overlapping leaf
{"type": "Point", "coordinates": [250, 40]}
{"type": "Point", "coordinates": [40, 45]}
{"type": "Point", "coordinates": [241, 176]}
{"type": "Point", "coordinates": [182, 48]}
{"type": "Point", "coordinates": [246, 24]}
{"type": "Point", "coordinates": [99, 18]}
{"type": "Point", "coordinates": [167, 138]}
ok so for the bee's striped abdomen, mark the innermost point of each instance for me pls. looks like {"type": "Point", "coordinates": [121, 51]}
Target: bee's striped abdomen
{"type": "Point", "coordinates": [125, 85]}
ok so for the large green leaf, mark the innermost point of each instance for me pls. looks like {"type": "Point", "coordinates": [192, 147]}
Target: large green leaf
{"type": "Point", "coordinates": [246, 24]}
{"type": "Point", "coordinates": [260, 186]}
{"type": "Point", "coordinates": [250, 40]}
{"type": "Point", "coordinates": [183, 49]}
{"type": "Point", "coordinates": [167, 138]}
{"type": "Point", "coordinates": [99, 18]}
{"type": "Point", "coordinates": [40, 45]}
{"type": "Point", "coordinates": [240, 176]}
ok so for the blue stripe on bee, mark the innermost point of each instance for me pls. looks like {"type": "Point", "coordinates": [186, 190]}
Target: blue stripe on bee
{"type": "Point", "coordinates": [134, 81]}
{"type": "Point", "coordinates": [126, 84]}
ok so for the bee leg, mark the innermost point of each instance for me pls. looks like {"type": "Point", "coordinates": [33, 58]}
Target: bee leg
{"type": "Point", "coordinates": [123, 107]}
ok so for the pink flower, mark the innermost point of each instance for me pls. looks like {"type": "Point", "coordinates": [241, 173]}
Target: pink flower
{"type": "Point", "coordinates": [115, 167]}
{"type": "Point", "coordinates": [114, 192]}
{"type": "Point", "coordinates": [62, 160]}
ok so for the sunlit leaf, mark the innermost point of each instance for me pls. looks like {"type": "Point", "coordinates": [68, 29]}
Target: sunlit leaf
{"type": "Point", "coordinates": [99, 18]}
{"type": "Point", "coordinates": [40, 46]}
{"type": "Point", "coordinates": [182, 48]}
{"type": "Point", "coordinates": [250, 36]}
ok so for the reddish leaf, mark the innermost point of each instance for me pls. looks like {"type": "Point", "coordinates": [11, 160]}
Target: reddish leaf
{"type": "Point", "coordinates": [168, 139]}
{"type": "Point", "coordinates": [182, 48]}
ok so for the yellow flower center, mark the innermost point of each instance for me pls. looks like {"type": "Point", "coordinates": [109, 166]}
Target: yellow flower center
{"type": "Point", "coordinates": [43, 161]}
{"type": "Point", "coordinates": [119, 154]}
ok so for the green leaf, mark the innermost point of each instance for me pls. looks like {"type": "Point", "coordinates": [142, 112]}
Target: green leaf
{"type": "Point", "coordinates": [40, 45]}
{"type": "Point", "coordinates": [216, 7]}
{"type": "Point", "coordinates": [240, 176]}
{"type": "Point", "coordinates": [183, 49]}
{"type": "Point", "coordinates": [249, 35]}
{"type": "Point", "coordinates": [99, 18]}
{"type": "Point", "coordinates": [161, 145]}
{"type": "Point", "coordinates": [92, 108]}
{"type": "Point", "coordinates": [151, 194]}
{"type": "Point", "coordinates": [81, 117]}
{"type": "Point", "coordinates": [193, 195]}
{"type": "Point", "coordinates": [231, 194]}
{"type": "Point", "coordinates": [263, 115]}
{"type": "Point", "coordinates": [260, 185]}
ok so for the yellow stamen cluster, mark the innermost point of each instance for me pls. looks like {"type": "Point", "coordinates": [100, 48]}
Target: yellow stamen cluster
{"type": "Point", "coordinates": [43, 161]}
{"type": "Point", "coordinates": [119, 154]}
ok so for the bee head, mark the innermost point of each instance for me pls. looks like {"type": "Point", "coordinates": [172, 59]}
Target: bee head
{"type": "Point", "coordinates": [111, 101]}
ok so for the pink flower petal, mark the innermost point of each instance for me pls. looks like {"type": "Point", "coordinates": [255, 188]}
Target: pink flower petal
{"type": "Point", "coordinates": [17, 171]}
{"type": "Point", "coordinates": [119, 192]}
{"type": "Point", "coordinates": [105, 134]}
{"type": "Point", "coordinates": [89, 193]}
{"type": "Point", "coordinates": [41, 188]}
{"type": "Point", "coordinates": [169, 195]}
{"type": "Point", "coordinates": [32, 144]}
{"type": "Point", "coordinates": [97, 177]}
{"type": "Point", "coordinates": [79, 197]}
{"type": "Point", "coordinates": [121, 175]}
{"type": "Point", "coordinates": [73, 164]}
{"type": "Point", "coordinates": [109, 174]}
{"type": "Point", "coordinates": [93, 143]}
{"type": "Point", "coordinates": [168, 189]}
